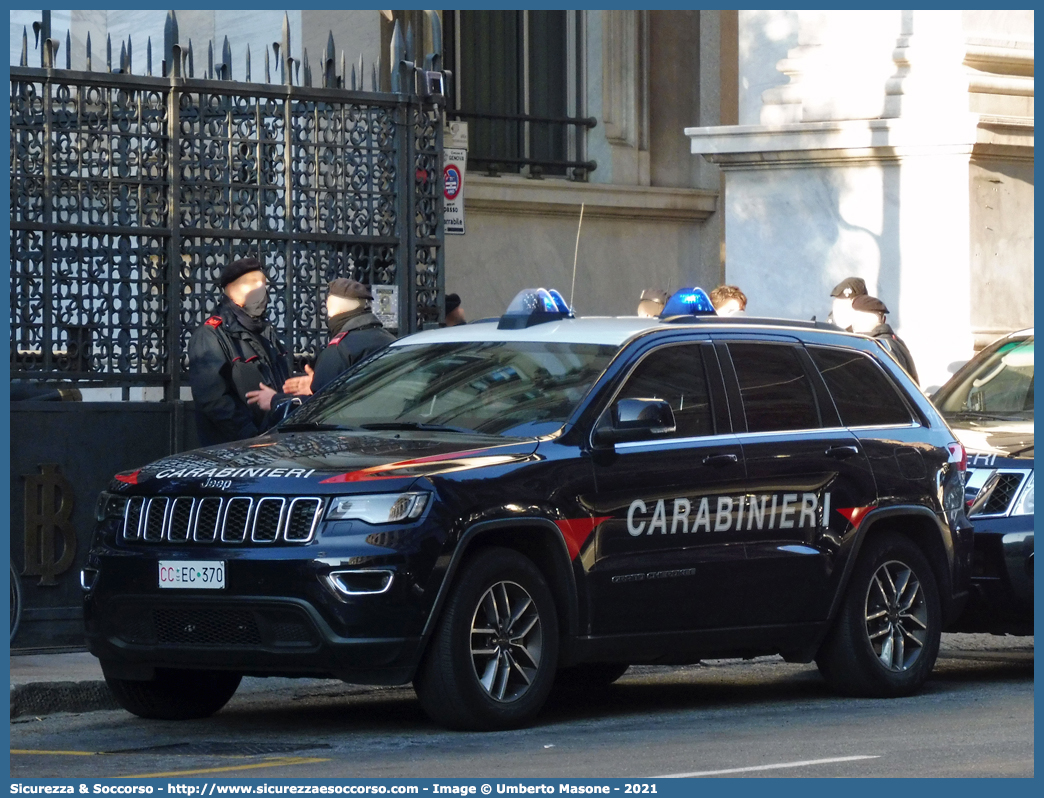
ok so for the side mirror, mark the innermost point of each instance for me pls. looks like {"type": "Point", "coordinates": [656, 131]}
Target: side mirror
{"type": "Point", "coordinates": [634, 420]}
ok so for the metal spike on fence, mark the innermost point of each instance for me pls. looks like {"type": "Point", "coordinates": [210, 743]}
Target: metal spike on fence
{"type": "Point", "coordinates": [409, 42]}
{"type": "Point", "coordinates": [376, 73]}
{"type": "Point", "coordinates": [398, 54]}
{"type": "Point", "coordinates": [130, 54]}
{"type": "Point", "coordinates": [24, 60]}
{"type": "Point", "coordinates": [226, 60]}
{"type": "Point", "coordinates": [108, 52]}
{"type": "Point", "coordinates": [170, 38]}
{"type": "Point", "coordinates": [68, 49]}
{"type": "Point", "coordinates": [176, 63]}
{"type": "Point", "coordinates": [297, 70]}
{"type": "Point", "coordinates": [268, 71]}
{"type": "Point", "coordinates": [248, 64]}
{"type": "Point", "coordinates": [210, 60]}
{"type": "Point", "coordinates": [123, 57]}
{"type": "Point", "coordinates": [191, 61]}
{"type": "Point", "coordinates": [353, 77]}
{"type": "Point", "coordinates": [279, 61]}
{"type": "Point", "coordinates": [362, 72]}
{"type": "Point", "coordinates": [88, 51]}
{"type": "Point", "coordinates": [434, 59]}
{"type": "Point", "coordinates": [330, 64]}
{"type": "Point", "coordinates": [307, 69]}
{"type": "Point", "coordinates": [148, 57]}
{"type": "Point", "coordinates": [49, 52]}
{"type": "Point", "coordinates": [287, 74]}
{"type": "Point", "coordinates": [344, 73]}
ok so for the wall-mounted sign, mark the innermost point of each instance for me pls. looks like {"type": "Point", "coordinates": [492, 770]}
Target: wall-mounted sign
{"type": "Point", "coordinates": [386, 304]}
{"type": "Point", "coordinates": [453, 190]}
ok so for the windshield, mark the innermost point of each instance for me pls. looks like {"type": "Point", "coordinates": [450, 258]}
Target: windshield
{"type": "Point", "coordinates": [517, 389]}
{"type": "Point", "coordinates": [1000, 385]}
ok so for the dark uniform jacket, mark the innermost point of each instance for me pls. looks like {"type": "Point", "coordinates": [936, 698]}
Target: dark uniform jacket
{"type": "Point", "coordinates": [225, 361]}
{"type": "Point", "coordinates": [356, 337]}
{"type": "Point", "coordinates": [894, 344]}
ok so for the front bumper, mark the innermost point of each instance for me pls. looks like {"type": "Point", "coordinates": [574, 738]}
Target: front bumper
{"type": "Point", "coordinates": [1001, 598]}
{"type": "Point", "coordinates": [276, 615]}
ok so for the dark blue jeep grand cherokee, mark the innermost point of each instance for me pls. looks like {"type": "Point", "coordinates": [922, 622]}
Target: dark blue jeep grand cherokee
{"type": "Point", "coordinates": [483, 508]}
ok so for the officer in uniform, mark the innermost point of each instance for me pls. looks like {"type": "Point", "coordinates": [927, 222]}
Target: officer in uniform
{"type": "Point", "coordinates": [868, 317]}
{"type": "Point", "coordinates": [356, 333]}
{"type": "Point", "coordinates": [232, 354]}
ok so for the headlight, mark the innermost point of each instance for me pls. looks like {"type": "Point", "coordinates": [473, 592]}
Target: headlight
{"type": "Point", "coordinates": [1024, 504]}
{"type": "Point", "coordinates": [109, 506]}
{"type": "Point", "coordinates": [378, 508]}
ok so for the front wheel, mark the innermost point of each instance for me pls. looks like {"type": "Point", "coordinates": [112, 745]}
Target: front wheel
{"type": "Point", "coordinates": [886, 637]}
{"type": "Point", "coordinates": [175, 694]}
{"type": "Point", "coordinates": [492, 659]}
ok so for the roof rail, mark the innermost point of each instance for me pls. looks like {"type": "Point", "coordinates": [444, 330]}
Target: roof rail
{"type": "Point", "coordinates": [753, 320]}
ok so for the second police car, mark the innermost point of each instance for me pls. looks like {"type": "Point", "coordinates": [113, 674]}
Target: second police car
{"type": "Point", "coordinates": [483, 508]}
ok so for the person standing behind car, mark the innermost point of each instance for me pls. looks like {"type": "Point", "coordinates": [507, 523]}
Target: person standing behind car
{"type": "Point", "coordinates": [868, 318]}
{"type": "Point", "coordinates": [728, 300]}
{"type": "Point", "coordinates": [231, 354]}
{"type": "Point", "coordinates": [356, 333]}
{"type": "Point", "coordinates": [841, 301]}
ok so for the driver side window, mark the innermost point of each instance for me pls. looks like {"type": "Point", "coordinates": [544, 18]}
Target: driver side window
{"type": "Point", "coordinates": [675, 374]}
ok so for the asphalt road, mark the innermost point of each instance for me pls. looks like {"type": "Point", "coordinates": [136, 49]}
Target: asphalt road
{"type": "Point", "coordinates": [748, 718]}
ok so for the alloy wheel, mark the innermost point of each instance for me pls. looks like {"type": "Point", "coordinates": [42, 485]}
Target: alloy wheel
{"type": "Point", "coordinates": [506, 637]}
{"type": "Point", "coordinates": [896, 616]}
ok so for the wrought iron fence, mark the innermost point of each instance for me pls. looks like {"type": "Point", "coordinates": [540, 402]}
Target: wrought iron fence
{"type": "Point", "coordinates": [130, 192]}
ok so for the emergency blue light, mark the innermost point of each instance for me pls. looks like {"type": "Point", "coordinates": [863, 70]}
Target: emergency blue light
{"type": "Point", "coordinates": [688, 302]}
{"type": "Point", "coordinates": [533, 306]}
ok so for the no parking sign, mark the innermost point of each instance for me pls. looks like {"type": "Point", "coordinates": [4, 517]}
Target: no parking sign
{"type": "Point", "coordinates": [453, 190]}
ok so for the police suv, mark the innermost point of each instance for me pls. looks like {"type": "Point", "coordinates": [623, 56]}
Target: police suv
{"type": "Point", "coordinates": [485, 508]}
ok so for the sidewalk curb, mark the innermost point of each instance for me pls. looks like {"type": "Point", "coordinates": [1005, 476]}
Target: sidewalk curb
{"type": "Point", "coordinates": [47, 698]}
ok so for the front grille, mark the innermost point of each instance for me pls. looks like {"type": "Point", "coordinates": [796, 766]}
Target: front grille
{"type": "Point", "coordinates": [155, 517]}
{"type": "Point", "coordinates": [267, 519]}
{"type": "Point", "coordinates": [236, 520]}
{"type": "Point", "coordinates": [237, 516]}
{"type": "Point", "coordinates": [1003, 494]}
{"type": "Point", "coordinates": [217, 625]}
{"type": "Point", "coordinates": [204, 627]}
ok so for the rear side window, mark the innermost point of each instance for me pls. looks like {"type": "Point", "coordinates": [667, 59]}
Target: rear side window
{"type": "Point", "coordinates": [676, 375]}
{"type": "Point", "coordinates": [864, 396]}
{"type": "Point", "coordinates": [776, 391]}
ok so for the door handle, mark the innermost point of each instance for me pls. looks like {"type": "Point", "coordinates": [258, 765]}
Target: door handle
{"type": "Point", "coordinates": [719, 460]}
{"type": "Point", "coordinates": [842, 452]}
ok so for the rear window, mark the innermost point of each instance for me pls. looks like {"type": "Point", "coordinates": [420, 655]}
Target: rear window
{"type": "Point", "coordinates": [863, 394]}
{"type": "Point", "coordinates": [777, 394]}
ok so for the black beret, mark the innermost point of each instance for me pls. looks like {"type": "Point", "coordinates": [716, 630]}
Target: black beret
{"type": "Point", "coordinates": [869, 304]}
{"type": "Point", "coordinates": [237, 269]}
{"type": "Point", "coordinates": [850, 287]}
{"type": "Point", "coordinates": [452, 303]}
{"type": "Point", "coordinates": [349, 289]}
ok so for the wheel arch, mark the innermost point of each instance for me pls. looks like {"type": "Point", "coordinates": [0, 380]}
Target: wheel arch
{"type": "Point", "coordinates": [922, 527]}
{"type": "Point", "coordinates": [541, 541]}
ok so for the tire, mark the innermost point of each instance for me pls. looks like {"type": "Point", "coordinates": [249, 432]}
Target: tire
{"type": "Point", "coordinates": [477, 674]}
{"type": "Point", "coordinates": [175, 694]}
{"type": "Point", "coordinates": [590, 675]}
{"type": "Point", "coordinates": [881, 645]}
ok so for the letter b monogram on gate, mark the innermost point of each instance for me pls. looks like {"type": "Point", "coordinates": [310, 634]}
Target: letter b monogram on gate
{"type": "Point", "coordinates": [48, 525]}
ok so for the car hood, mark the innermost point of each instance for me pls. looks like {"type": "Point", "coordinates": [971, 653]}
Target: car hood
{"type": "Point", "coordinates": [1003, 438]}
{"type": "Point", "coordinates": [308, 462]}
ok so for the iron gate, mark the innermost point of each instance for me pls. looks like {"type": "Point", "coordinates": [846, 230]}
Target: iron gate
{"type": "Point", "coordinates": [130, 192]}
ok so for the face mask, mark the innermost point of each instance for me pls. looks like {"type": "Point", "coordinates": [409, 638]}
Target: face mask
{"type": "Point", "coordinates": [255, 303]}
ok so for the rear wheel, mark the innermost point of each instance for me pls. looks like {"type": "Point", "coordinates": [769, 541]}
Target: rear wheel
{"type": "Point", "coordinates": [886, 637]}
{"type": "Point", "coordinates": [175, 694]}
{"type": "Point", "coordinates": [491, 661]}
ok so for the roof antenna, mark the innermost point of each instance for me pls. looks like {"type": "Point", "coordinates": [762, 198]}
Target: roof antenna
{"type": "Point", "coordinates": [576, 251]}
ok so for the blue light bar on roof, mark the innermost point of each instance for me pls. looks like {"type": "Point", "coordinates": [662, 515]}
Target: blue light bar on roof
{"type": "Point", "coordinates": [688, 302]}
{"type": "Point", "coordinates": [534, 306]}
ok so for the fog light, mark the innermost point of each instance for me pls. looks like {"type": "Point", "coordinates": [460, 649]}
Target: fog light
{"type": "Point", "coordinates": [359, 583]}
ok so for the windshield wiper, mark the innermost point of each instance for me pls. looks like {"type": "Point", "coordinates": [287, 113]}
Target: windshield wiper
{"type": "Point", "coordinates": [413, 425]}
{"type": "Point", "coordinates": [1014, 415]}
{"type": "Point", "coordinates": [312, 426]}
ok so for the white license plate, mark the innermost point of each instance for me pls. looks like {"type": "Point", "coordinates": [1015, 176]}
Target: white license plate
{"type": "Point", "coordinates": [192, 574]}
